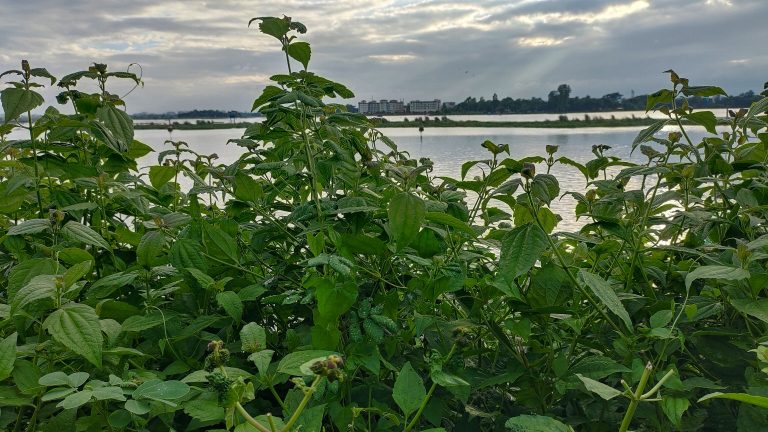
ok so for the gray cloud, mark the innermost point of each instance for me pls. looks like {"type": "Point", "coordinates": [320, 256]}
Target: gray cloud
{"type": "Point", "coordinates": [200, 54]}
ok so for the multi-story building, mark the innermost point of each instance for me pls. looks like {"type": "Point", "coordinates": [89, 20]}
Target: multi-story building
{"type": "Point", "coordinates": [424, 107]}
{"type": "Point", "coordinates": [381, 107]}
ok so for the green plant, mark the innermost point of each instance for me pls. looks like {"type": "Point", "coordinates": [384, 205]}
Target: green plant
{"type": "Point", "coordinates": [131, 302]}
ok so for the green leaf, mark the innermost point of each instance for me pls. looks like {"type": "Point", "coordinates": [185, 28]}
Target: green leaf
{"type": "Point", "coordinates": [602, 390]}
{"type": "Point", "coordinates": [273, 26]}
{"type": "Point", "coordinates": [703, 91]}
{"type": "Point", "coordinates": [715, 272]}
{"type": "Point", "coordinates": [137, 407]}
{"type": "Point", "coordinates": [204, 410]}
{"type": "Point", "coordinates": [7, 355]}
{"type": "Point", "coordinates": [76, 400]}
{"type": "Point", "coordinates": [76, 326]}
{"type": "Point", "coordinates": [262, 359]}
{"type": "Point", "coordinates": [231, 303]}
{"type": "Point", "coordinates": [648, 133]}
{"type": "Point", "coordinates": [602, 289]}
{"type": "Point", "coordinates": [536, 423]}
{"type": "Point", "coordinates": [108, 393]}
{"type": "Point", "coordinates": [406, 213]}
{"type": "Point", "coordinates": [149, 253]}
{"type": "Point", "coordinates": [119, 123]}
{"type": "Point", "coordinates": [409, 391]}
{"type": "Point", "coordinates": [545, 187]}
{"type": "Point", "coordinates": [53, 379]}
{"type": "Point", "coordinates": [301, 52]}
{"type": "Point", "coordinates": [108, 284]}
{"type": "Point", "coordinates": [253, 337]}
{"type": "Point", "coordinates": [704, 118]}
{"type": "Point", "coordinates": [220, 244]}
{"type": "Point", "coordinates": [446, 379]}
{"type": "Point", "coordinates": [520, 249]}
{"type": "Point", "coordinates": [755, 308]}
{"type": "Point", "coordinates": [663, 96]}
{"type": "Point", "coordinates": [268, 94]}
{"type": "Point", "coordinates": [291, 363]}
{"type": "Point", "coordinates": [77, 272]}
{"type": "Point", "coordinates": [160, 175]}
{"type": "Point", "coordinates": [760, 401]}
{"type": "Point", "coordinates": [333, 299]}
{"type": "Point", "coordinates": [756, 109]}
{"type": "Point", "coordinates": [119, 419]}
{"type": "Point", "coordinates": [41, 287]}
{"type": "Point", "coordinates": [17, 101]}
{"type": "Point", "coordinates": [31, 226]}
{"type": "Point", "coordinates": [446, 219]}
{"type": "Point", "coordinates": [674, 407]}
{"type": "Point", "coordinates": [78, 232]}
{"type": "Point", "coordinates": [161, 390]}
{"type": "Point", "coordinates": [597, 367]}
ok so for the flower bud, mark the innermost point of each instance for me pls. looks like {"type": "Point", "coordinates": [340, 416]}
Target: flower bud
{"type": "Point", "coordinates": [529, 171]}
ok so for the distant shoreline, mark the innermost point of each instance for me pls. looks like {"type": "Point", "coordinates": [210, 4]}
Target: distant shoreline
{"type": "Point", "coordinates": [547, 124]}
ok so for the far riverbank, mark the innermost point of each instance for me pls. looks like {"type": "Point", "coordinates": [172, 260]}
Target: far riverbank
{"type": "Point", "coordinates": [436, 122]}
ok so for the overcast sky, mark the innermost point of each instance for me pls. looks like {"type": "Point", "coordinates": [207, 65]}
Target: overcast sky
{"type": "Point", "coordinates": [200, 54]}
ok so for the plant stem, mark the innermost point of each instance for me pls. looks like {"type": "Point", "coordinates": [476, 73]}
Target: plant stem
{"type": "Point", "coordinates": [252, 421]}
{"type": "Point", "coordinates": [428, 396]}
{"type": "Point", "coordinates": [303, 404]}
{"type": "Point", "coordinates": [636, 398]}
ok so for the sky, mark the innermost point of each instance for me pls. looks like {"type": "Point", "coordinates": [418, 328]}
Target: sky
{"type": "Point", "coordinates": [201, 54]}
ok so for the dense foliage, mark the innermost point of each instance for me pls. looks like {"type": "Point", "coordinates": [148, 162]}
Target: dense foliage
{"type": "Point", "coordinates": [327, 281]}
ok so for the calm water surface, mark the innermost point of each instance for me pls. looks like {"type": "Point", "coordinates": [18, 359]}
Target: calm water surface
{"type": "Point", "coordinates": [449, 148]}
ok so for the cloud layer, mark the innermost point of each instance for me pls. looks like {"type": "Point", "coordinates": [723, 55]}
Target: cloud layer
{"type": "Point", "coordinates": [200, 54]}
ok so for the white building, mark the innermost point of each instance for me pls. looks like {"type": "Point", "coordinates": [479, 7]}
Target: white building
{"type": "Point", "coordinates": [424, 107]}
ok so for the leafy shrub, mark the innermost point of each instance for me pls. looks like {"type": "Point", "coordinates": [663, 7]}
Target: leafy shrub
{"type": "Point", "coordinates": [327, 280]}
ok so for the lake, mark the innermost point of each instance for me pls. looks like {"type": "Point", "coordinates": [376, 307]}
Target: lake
{"type": "Point", "coordinates": [449, 148]}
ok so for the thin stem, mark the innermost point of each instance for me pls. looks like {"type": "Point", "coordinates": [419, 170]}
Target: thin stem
{"type": "Point", "coordinates": [303, 404]}
{"type": "Point", "coordinates": [636, 398]}
{"type": "Point", "coordinates": [428, 396]}
{"type": "Point", "coordinates": [252, 421]}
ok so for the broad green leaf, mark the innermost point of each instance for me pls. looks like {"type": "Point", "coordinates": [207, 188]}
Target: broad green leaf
{"type": "Point", "coordinates": [53, 379]}
{"type": "Point", "coordinates": [119, 419]}
{"type": "Point", "coordinates": [603, 290]}
{"type": "Point", "coordinates": [704, 118]}
{"type": "Point", "coordinates": [663, 96]}
{"type": "Point", "coordinates": [253, 337]}
{"type": "Point", "coordinates": [76, 379]}
{"type": "Point", "coordinates": [220, 244]}
{"type": "Point", "coordinates": [301, 52]}
{"type": "Point", "coordinates": [57, 393]}
{"type": "Point", "coordinates": [545, 187]}
{"type": "Point", "coordinates": [17, 101]}
{"type": "Point", "coordinates": [160, 175]}
{"type": "Point", "coordinates": [602, 390]}
{"type": "Point", "coordinates": [76, 326]}
{"type": "Point", "coordinates": [333, 299]}
{"type": "Point", "coordinates": [246, 188]}
{"type": "Point", "coordinates": [409, 391]}
{"type": "Point", "coordinates": [137, 407]}
{"type": "Point", "coordinates": [291, 363]}
{"type": "Point", "coordinates": [7, 355]}
{"type": "Point", "coordinates": [118, 122]}
{"type": "Point", "coordinates": [536, 423]}
{"type": "Point", "coordinates": [262, 359]}
{"type": "Point", "coordinates": [597, 367]}
{"type": "Point", "coordinates": [139, 323]}
{"type": "Point", "coordinates": [31, 226]}
{"type": "Point", "coordinates": [231, 303]}
{"type": "Point", "coordinates": [661, 318]}
{"type": "Point", "coordinates": [204, 410]}
{"type": "Point", "coordinates": [756, 109]}
{"type": "Point", "coordinates": [108, 284]}
{"type": "Point", "coordinates": [520, 249]}
{"type": "Point", "coordinates": [150, 252]}
{"type": "Point", "coordinates": [161, 390]}
{"type": "Point", "coordinates": [446, 219]}
{"type": "Point", "coordinates": [77, 272]}
{"type": "Point", "coordinates": [76, 400]}
{"type": "Point", "coordinates": [406, 213]}
{"type": "Point", "coordinates": [648, 133]}
{"type": "Point", "coordinates": [755, 308]}
{"type": "Point", "coordinates": [266, 95]}
{"type": "Point", "coordinates": [41, 287]}
{"type": "Point", "coordinates": [715, 272]}
{"type": "Point", "coordinates": [446, 379]}
{"type": "Point", "coordinates": [760, 401]}
{"type": "Point", "coordinates": [703, 91]}
{"type": "Point", "coordinates": [23, 273]}
{"type": "Point", "coordinates": [108, 393]}
{"type": "Point", "coordinates": [674, 407]}
{"type": "Point", "coordinates": [78, 232]}
{"type": "Point", "coordinates": [273, 26]}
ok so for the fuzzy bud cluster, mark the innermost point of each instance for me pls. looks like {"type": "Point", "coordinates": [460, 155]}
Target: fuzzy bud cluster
{"type": "Point", "coordinates": [330, 368]}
